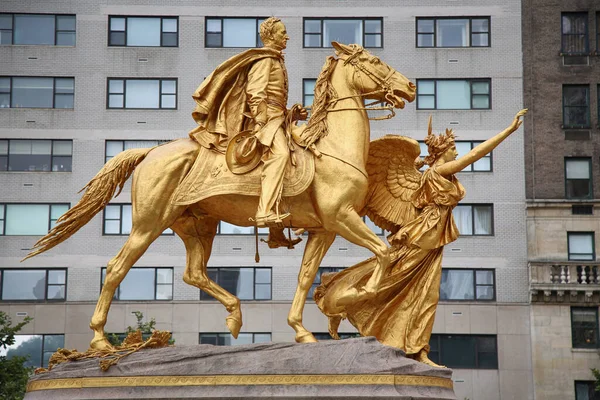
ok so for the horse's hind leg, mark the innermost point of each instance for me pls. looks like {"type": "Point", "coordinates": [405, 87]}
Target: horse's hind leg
{"type": "Point", "coordinates": [117, 268]}
{"type": "Point", "coordinates": [198, 235]}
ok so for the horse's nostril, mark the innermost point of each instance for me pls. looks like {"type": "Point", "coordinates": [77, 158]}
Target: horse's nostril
{"type": "Point", "coordinates": [411, 85]}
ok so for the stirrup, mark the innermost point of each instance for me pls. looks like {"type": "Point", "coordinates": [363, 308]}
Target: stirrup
{"type": "Point", "coordinates": [271, 220]}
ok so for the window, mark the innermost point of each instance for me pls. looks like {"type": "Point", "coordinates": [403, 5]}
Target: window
{"type": "Point", "coordinates": [49, 29]}
{"type": "Point", "coordinates": [576, 106]}
{"type": "Point", "coordinates": [454, 94]}
{"type": "Point", "coordinates": [226, 228]}
{"type": "Point", "coordinates": [29, 219]}
{"type": "Point", "coordinates": [33, 284]}
{"type": "Point", "coordinates": [37, 348]}
{"type": "Point", "coordinates": [245, 283]}
{"type": "Point", "coordinates": [578, 182]}
{"type": "Point", "coordinates": [308, 92]}
{"type": "Point", "coordinates": [326, 336]}
{"type": "Point", "coordinates": [143, 31]}
{"type": "Point", "coordinates": [586, 390]}
{"type": "Point", "coordinates": [233, 32]}
{"type": "Point", "coordinates": [36, 92]}
{"type": "Point", "coordinates": [114, 147]}
{"type": "Point", "coordinates": [598, 31]}
{"type": "Point", "coordinates": [317, 281]}
{"type": "Point", "coordinates": [474, 219]}
{"type": "Point", "coordinates": [464, 351]}
{"type": "Point", "coordinates": [584, 327]}
{"type": "Point", "coordinates": [575, 33]}
{"type": "Point", "coordinates": [581, 246]}
{"type": "Point", "coordinates": [463, 147]}
{"type": "Point", "coordinates": [320, 32]}
{"type": "Point", "coordinates": [145, 284]}
{"type": "Point", "coordinates": [142, 93]}
{"type": "Point", "coordinates": [453, 32]}
{"type": "Point", "coordinates": [118, 220]}
{"type": "Point", "coordinates": [468, 284]}
{"type": "Point", "coordinates": [225, 339]}
{"type": "Point", "coordinates": [36, 155]}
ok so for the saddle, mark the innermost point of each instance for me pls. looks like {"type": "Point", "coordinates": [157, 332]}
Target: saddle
{"type": "Point", "coordinates": [210, 176]}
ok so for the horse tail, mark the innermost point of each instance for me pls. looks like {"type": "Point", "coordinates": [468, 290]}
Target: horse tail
{"type": "Point", "coordinates": [98, 193]}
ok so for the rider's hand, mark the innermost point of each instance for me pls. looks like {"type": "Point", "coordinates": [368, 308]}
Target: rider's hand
{"type": "Point", "coordinates": [302, 114]}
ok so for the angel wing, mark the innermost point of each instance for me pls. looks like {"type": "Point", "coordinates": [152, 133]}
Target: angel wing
{"type": "Point", "coordinates": [393, 178]}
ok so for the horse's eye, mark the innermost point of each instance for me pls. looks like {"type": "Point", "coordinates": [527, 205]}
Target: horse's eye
{"type": "Point", "coordinates": [376, 60]}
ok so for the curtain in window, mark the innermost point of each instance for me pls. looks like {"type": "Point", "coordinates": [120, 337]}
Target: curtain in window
{"type": "Point", "coordinates": [463, 219]}
{"type": "Point", "coordinates": [238, 32]}
{"type": "Point", "coordinates": [483, 220]}
{"type": "Point", "coordinates": [454, 95]}
{"type": "Point", "coordinates": [452, 32]}
{"type": "Point", "coordinates": [581, 246]}
{"type": "Point", "coordinates": [142, 93]}
{"type": "Point", "coordinates": [457, 285]}
{"type": "Point", "coordinates": [343, 31]}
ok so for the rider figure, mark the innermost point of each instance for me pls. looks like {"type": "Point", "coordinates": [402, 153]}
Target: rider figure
{"type": "Point", "coordinates": [266, 94]}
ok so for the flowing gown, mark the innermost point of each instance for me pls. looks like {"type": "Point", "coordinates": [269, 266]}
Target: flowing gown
{"type": "Point", "coordinates": [402, 312]}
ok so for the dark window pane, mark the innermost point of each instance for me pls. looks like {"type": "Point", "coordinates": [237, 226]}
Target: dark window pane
{"type": "Point", "coordinates": [24, 285]}
{"type": "Point", "coordinates": [3, 166]}
{"type": "Point", "coordinates": [584, 324]}
{"type": "Point", "coordinates": [574, 33]}
{"type": "Point", "coordinates": [6, 21]}
{"type": "Point", "coordinates": [212, 275]}
{"type": "Point", "coordinates": [312, 26]}
{"type": "Point", "coordinates": [65, 22]}
{"type": "Point", "coordinates": [458, 351]}
{"type": "Point", "coordinates": [213, 40]}
{"type": "Point", "coordinates": [312, 40]}
{"type": "Point", "coordinates": [169, 39]}
{"type": "Point", "coordinates": [29, 346]}
{"type": "Point", "coordinates": [63, 101]}
{"type": "Point", "coordinates": [62, 163]}
{"type": "Point", "coordinates": [117, 38]}
{"type": "Point", "coordinates": [32, 92]}
{"type": "Point", "coordinates": [207, 338]}
{"type": "Point", "coordinates": [65, 38]}
{"type": "Point", "coordinates": [5, 37]}
{"type": "Point", "coordinates": [34, 29]}
{"type": "Point", "coordinates": [238, 281]}
{"type": "Point", "coordinates": [4, 100]}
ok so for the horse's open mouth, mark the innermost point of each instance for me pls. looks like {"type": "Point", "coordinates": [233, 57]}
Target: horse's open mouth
{"type": "Point", "coordinates": [397, 99]}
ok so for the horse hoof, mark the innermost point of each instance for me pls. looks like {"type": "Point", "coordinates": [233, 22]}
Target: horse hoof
{"type": "Point", "coordinates": [101, 344]}
{"type": "Point", "coordinates": [234, 322]}
{"type": "Point", "coordinates": [305, 337]}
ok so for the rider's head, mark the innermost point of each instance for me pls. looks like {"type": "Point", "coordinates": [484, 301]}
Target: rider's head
{"type": "Point", "coordinates": [273, 33]}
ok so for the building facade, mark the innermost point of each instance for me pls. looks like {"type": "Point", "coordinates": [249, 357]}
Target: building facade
{"type": "Point", "coordinates": [81, 81]}
{"type": "Point", "coordinates": [562, 77]}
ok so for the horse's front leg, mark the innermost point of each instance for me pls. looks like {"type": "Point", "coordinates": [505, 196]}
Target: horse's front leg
{"type": "Point", "coordinates": [317, 245]}
{"type": "Point", "coordinates": [351, 227]}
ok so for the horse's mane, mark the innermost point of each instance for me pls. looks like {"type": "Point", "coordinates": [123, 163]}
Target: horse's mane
{"type": "Point", "coordinates": [317, 124]}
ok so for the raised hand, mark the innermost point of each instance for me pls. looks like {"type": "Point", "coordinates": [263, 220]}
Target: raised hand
{"type": "Point", "coordinates": [518, 121]}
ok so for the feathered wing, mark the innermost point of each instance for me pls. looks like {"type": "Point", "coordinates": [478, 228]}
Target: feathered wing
{"type": "Point", "coordinates": [393, 178]}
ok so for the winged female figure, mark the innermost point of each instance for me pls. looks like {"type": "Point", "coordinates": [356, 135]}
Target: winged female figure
{"type": "Point", "coordinates": [417, 209]}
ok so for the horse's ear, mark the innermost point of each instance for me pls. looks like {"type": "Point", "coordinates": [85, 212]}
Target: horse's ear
{"type": "Point", "coordinates": [340, 48]}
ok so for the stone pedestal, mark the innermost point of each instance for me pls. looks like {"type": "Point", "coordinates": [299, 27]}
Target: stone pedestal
{"type": "Point", "coordinates": [351, 368]}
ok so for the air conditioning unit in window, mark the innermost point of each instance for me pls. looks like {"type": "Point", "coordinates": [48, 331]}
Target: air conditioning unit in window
{"type": "Point", "coordinates": [575, 60]}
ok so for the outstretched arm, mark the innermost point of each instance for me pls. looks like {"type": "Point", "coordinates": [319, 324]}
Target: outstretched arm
{"type": "Point", "coordinates": [478, 152]}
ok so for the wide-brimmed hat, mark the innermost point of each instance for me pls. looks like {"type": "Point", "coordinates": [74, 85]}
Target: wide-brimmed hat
{"type": "Point", "coordinates": [243, 152]}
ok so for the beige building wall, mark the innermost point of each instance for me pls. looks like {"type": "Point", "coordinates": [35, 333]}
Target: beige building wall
{"type": "Point", "coordinates": [89, 124]}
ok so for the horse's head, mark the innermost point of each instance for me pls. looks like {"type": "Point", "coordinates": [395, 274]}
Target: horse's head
{"type": "Point", "coordinates": [375, 78]}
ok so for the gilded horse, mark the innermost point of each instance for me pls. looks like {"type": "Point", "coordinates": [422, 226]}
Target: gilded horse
{"type": "Point", "coordinates": [330, 205]}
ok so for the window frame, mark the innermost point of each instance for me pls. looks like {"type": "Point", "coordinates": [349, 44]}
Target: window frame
{"type": "Point", "coordinates": [229, 334]}
{"type": "Point", "coordinates": [470, 80]}
{"type": "Point", "coordinates": [435, 19]}
{"type": "Point", "coordinates": [117, 294]}
{"type": "Point", "coordinates": [587, 33]}
{"type": "Point", "coordinates": [124, 94]}
{"type": "Point", "coordinates": [439, 336]}
{"type": "Point", "coordinates": [43, 335]}
{"type": "Point", "coordinates": [590, 178]}
{"type": "Point", "coordinates": [54, 94]}
{"type": "Point", "coordinates": [597, 345]}
{"type": "Point", "coordinates": [56, 30]}
{"type": "Point", "coordinates": [121, 221]}
{"type": "Point", "coordinates": [45, 300]}
{"type": "Point", "coordinates": [321, 34]}
{"type": "Point", "coordinates": [592, 233]}
{"type": "Point", "coordinates": [218, 269]}
{"type": "Point", "coordinates": [50, 220]}
{"type": "Point", "coordinates": [320, 272]}
{"type": "Point", "coordinates": [493, 229]}
{"type": "Point", "coordinates": [51, 155]}
{"type": "Point", "coordinates": [162, 17]}
{"type": "Point", "coordinates": [475, 285]}
{"type": "Point", "coordinates": [588, 384]}
{"type": "Point", "coordinates": [123, 141]}
{"type": "Point", "coordinates": [588, 106]}
{"type": "Point", "coordinates": [304, 93]}
{"type": "Point", "coordinates": [473, 143]}
{"type": "Point", "coordinates": [221, 18]}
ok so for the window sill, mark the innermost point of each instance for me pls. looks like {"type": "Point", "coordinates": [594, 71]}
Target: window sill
{"type": "Point", "coordinates": [584, 350]}
{"type": "Point", "coordinates": [37, 108]}
{"type": "Point", "coordinates": [37, 45]}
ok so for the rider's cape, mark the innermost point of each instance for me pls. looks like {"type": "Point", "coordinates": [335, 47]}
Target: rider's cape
{"type": "Point", "coordinates": [221, 109]}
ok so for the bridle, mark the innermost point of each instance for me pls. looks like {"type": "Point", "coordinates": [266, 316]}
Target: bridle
{"type": "Point", "coordinates": [384, 86]}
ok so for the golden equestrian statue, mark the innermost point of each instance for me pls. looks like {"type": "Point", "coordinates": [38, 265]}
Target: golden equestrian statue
{"type": "Point", "coordinates": [189, 188]}
{"type": "Point", "coordinates": [417, 209]}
